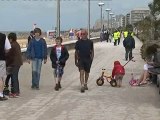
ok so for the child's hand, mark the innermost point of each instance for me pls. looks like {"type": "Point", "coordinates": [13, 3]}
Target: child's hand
{"type": "Point", "coordinates": [45, 61]}
{"type": "Point", "coordinates": [57, 62]}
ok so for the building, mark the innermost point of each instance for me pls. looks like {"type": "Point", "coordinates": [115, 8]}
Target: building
{"type": "Point", "coordinates": [138, 14]}
{"type": "Point", "coordinates": [120, 22]}
{"type": "Point", "coordinates": [127, 19]}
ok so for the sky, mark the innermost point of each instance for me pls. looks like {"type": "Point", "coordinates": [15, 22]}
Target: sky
{"type": "Point", "coordinates": [20, 15]}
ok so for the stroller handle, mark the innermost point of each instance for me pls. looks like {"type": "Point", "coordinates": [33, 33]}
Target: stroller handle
{"type": "Point", "coordinates": [128, 62]}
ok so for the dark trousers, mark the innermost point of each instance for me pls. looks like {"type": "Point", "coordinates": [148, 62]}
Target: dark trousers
{"type": "Point", "coordinates": [115, 42]}
{"type": "Point", "coordinates": [14, 79]}
{"type": "Point", "coordinates": [118, 41]}
{"type": "Point", "coordinates": [7, 80]}
{"type": "Point", "coordinates": [128, 53]}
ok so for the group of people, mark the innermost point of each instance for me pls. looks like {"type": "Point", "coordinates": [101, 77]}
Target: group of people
{"type": "Point", "coordinates": [36, 54]}
{"type": "Point", "coordinates": [10, 63]}
{"type": "Point", "coordinates": [104, 36]}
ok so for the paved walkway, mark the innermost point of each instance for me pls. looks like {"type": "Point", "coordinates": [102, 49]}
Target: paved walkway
{"type": "Point", "coordinates": [98, 103]}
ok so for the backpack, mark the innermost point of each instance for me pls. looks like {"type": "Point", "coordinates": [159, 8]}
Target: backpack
{"type": "Point", "coordinates": [120, 70]}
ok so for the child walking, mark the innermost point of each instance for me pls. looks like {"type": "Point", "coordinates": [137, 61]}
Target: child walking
{"type": "Point", "coordinates": [118, 72]}
{"type": "Point", "coordinates": [59, 55]}
{"type": "Point", "coordinates": [14, 62]}
{"type": "Point", "coordinates": [36, 53]}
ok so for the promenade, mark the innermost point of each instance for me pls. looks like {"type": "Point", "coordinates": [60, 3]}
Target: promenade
{"type": "Point", "coordinates": [98, 103]}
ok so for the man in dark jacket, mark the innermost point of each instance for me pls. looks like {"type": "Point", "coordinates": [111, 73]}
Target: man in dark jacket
{"type": "Point", "coordinates": [129, 44]}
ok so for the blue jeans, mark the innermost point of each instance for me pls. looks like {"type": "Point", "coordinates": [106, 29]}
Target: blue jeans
{"type": "Point", "coordinates": [36, 70]}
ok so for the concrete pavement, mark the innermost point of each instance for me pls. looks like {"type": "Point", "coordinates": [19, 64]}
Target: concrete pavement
{"type": "Point", "coordinates": [98, 103]}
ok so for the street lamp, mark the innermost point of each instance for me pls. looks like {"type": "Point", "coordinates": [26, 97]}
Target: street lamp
{"type": "Point", "coordinates": [88, 19]}
{"type": "Point", "coordinates": [111, 14]}
{"type": "Point", "coordinates": [58, 18]}
{"type": "Point", "coordinates": [108, 10]}
{"type": "Point", "coordinates": [101, 5]}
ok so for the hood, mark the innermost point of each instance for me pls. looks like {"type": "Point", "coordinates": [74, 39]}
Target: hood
{"type": "Point", "coordinates": [116, 63]}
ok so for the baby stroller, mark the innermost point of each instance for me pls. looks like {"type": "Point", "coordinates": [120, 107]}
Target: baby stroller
{"type": "Point", "coordinates": [106, 76]}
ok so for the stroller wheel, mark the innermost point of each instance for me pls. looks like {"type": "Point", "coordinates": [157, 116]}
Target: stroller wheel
{"type": "Point", "coordinates": [100, 81]}
{"type": "Point", "coordinates": [113, 83]}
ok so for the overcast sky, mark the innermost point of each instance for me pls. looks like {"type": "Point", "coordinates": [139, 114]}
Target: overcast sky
{"type": "Point", "coordinates": [20, 15]}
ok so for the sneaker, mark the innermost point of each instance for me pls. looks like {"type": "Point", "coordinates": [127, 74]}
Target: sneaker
{"type": "Point", "coordinates": [85, 87]}
{"type": "Point", "coordinates": [37, 88]}
{"type": "Point", "coordinates": [59, 85]}
{"type": "Point", "coordinates": [82, 89]}
{"type": "Point", "coordinates": [6, 91]}
{"type": "Point", "coordinates": [56, 87]}
{"type": "Point", "coordinates": [3, 98]}
{"type": "Point", "coordinates": [13, 95]}
{"type": "Point", "coordinates": [33, 87]}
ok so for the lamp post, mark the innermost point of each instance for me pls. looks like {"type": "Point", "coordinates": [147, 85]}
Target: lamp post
{"type": "Point", "coordinates": [108, 10]}
{"type": "Point", "coordinates": [88, 19]}
{"type": "Point", "coordinates": [58, 18]}
{"type": "Point", "coordinates": [111, 14]}
{"type": "Point", "coordinates": [101, 5]}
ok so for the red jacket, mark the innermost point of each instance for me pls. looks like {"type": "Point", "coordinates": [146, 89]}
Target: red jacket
{"type": "Point", "coordinates": [118, 69]}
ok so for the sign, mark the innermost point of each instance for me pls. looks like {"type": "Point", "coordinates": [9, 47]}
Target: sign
{"type": "Point", "coordinates": [51, 34]}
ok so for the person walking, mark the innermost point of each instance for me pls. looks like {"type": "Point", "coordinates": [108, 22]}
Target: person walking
{"type": "Point", "coordinates": [129, 44]}
{"type": "Point", "coordinates": [84, 53]}
{"type": "Point", "coordinates": [15, 65]}
{"type": "Point", "coordinates": [36, 52]}
{"type": "Point", "coordinates": [59, 55]}
{"type": "Point", "coordinates": [4, 48]}
{"type": "Point", "coordinates": [31, 36]}
{"type": "Point", "coordinates": [115, 36]}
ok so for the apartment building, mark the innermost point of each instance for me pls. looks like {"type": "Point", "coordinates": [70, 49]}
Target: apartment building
{"type": "Point", "coordinates": [138, 14]}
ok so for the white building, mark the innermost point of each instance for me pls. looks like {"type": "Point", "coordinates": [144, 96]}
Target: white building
{"type": "Point", "coordinates": [138, 14]}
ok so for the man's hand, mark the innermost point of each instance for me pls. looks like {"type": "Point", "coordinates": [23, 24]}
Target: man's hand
{"type": "Point", "coordinates": [45, 61]}
{"type": "Point", "coordinates": [57, 62]}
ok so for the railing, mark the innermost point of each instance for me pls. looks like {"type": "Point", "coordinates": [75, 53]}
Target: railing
{"type": "Point", "coordinates": [69, 45]}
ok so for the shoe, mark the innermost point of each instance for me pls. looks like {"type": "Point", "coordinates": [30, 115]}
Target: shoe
{"type": "Point", "coordinates": [33, 87]}
{"type": "Point", "coordinates": [13, 95]}
{"type": "Point", "coordinates": [56, 87]}
{"type": "Point", "coordinates": [85, 87]}
{"type": "Point", "coordinates": [6, 91]}
{"type": "Point", "coordinates": [82, 89]}
{"type": "Point", "coordinates": [3, 98]}
{"type": "Point", "coordinates": [37, 88]}
{"type": "Point", "coordinates": [59, 85]}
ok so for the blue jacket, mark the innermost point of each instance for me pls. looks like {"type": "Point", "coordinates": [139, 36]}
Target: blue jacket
{"type": "Point", "coordinates": [31, 51]}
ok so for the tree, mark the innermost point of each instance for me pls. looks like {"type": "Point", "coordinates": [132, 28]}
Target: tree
{"type": "Point", "coordinates": [155, 11]}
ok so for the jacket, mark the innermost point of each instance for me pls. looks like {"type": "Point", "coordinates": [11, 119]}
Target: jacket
{"type": "Point", "coordinates": [63, 58]}
{"type": "Point", "coordinates": [14, 56]}
{"type": "Point", "coordinates": [118, 69]}
{"type": "Point", "coordinates": [30, 54]}
{"type": "Point", "coordinates": [129, 42]}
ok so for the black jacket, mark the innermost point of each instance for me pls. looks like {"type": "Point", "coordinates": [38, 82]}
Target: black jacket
{"type": "Point", "coordinates": [129, 42]}
{"type": "Point", "coordinates": [2, 46]}
{"type": "Point", "coordinates": [63, 58]}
